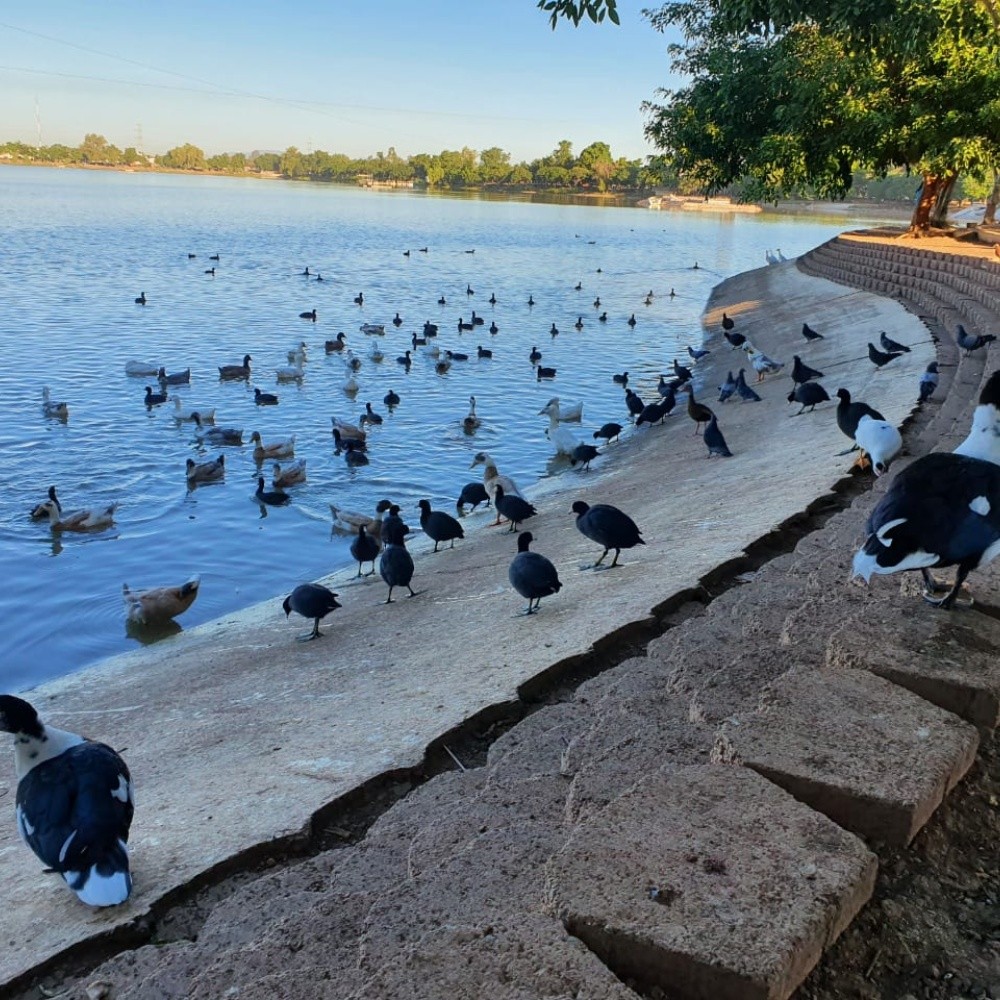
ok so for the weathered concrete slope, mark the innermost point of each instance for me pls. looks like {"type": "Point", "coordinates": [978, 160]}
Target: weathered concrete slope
{"type": "Point", "coordinates": [609, 819]}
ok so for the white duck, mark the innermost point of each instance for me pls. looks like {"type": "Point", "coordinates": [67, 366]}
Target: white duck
{"type": "Point", "coordinates": [376, 354]}
{"type": "Point", "coordinates": [471, 421]}
{"type": "Point", "coordinates": [141, 368]}
{"type": "Point", "coordinates": [290, 474]}
{"type": "Point", "coordinates": [291, 373]}
{"type": "Point", "coordinates": [984, 437]}
{"type": "Point", "coordinates": [573, 413]}
{"type": "Point", "coordinates": [348, 521]}
{"type": "Point", "coordinates": [563, 440]}
{"type": "Point", "coordinates": [879, 440]}
{"type": "Point", "coordinates": [58, 410]}
{"type": "Point", "coordinates": [88, 519]}
{"type": "Point", "coordinates": [351, 386]}
{"type": "Point", "coordinates": [182, 412]}
{"type": "Point", "coordinates": [298, 354]}
{"type": "Point", "coordinates": [205, 472]}
{"type": "Point", "coordinates": [272, 449]}
{"type": "Point", "coordinates": [158, 604]}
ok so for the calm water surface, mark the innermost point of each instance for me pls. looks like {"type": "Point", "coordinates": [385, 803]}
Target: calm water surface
{"type": "Point", "coordinates": [80, 246]}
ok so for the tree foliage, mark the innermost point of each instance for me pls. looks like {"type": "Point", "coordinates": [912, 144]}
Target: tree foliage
{"type": "Point", "coordinates": [577, 10]}
{"type": "Point", "coordinates": [788, 96]}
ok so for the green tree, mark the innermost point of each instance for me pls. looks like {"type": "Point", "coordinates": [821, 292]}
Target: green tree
{"type": "Point", "coordinates": [494, 165]}
{"type": "Point", "coordinates": [577, 10]}
{"type": "Point", "coordinates": [789, 95]}
{"type": "Point", "coordinates": [186, 157]}
{"type": "Point", "coordinates": [598, 164]}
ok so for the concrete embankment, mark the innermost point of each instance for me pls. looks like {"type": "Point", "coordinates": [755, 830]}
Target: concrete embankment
{"type": "Point", "coordinates": [607, 818]}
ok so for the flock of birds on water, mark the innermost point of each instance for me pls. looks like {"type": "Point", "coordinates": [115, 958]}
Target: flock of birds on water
{"type": "Point", "coordinates": [75, 800]}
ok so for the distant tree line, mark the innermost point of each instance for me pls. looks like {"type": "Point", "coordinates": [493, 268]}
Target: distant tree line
{"type": "Point", "coordinates": [594, 169]}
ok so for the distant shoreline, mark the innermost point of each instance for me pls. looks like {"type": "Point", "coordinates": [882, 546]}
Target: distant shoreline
{"type": "Point", "coordinates": [629, 198]}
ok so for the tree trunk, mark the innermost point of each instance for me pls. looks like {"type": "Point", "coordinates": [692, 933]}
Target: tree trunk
{"type": "Point", "coordinates": [925, 201]}
{"type": "Point", "coordinates": [939, 213]}
{"type": "Point", "coordinates": [991, 203]}
{"type": "Point", "coordinates": [932, 202]}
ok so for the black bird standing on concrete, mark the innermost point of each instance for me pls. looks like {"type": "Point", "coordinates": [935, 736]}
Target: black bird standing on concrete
{"type": "Point", "coordinates": [808, 394]}
{"type": "Point", "coordinates": [879, 358]}
{"type": "Point", "coordinates": [364, 548]}
{"type": "Point", "coordinates": [634, 403]}
{"type": "Point", "coordinates": [396, 564]}
{"type": "Point", "coordinates": [809, 333]}
{"type": "Point", "coordinates": [473, 494]}
{"type": "Point", "coordinates": [438, 525]}
{"type": "Point", "coordinates": [608, 431]}
{"type": "Point", "coordinates": [801, 372]}
{"type": "Point", "coordinates": [532, 575]}
{"type": "Point", "coordinates": [715, 441]}
{"type": "Point", "coordinates": [584, 453]}
{"type": "Point", "coordinates": [311, 600]}
{"type": "Point", "coordinates": [736, 339]}
{"type": "Point", "coordinates": [608, 526]}
{"type": "Point", "coordinates": [516, 509]}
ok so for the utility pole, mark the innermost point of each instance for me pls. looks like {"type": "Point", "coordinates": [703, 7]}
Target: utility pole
{"type": "Point", "coordinates": [138, 138]}
{"type": "Point", "coordinates": [38, 123]}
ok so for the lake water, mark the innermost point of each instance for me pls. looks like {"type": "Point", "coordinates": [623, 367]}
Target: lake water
{"type": "Point", "coordinates": [80, 246]}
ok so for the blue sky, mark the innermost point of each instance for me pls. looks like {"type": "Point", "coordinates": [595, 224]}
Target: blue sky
{"type": "Point", "coordinates": [352, 77]}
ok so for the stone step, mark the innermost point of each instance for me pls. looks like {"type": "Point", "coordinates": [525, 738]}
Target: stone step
{"type": "Point", "coordinates": [711, 882]}
{"type": "Point", "coordinates": [873, 757]}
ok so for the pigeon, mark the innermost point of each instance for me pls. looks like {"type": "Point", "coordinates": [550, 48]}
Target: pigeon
{"type": "Point", "coordinates": [736, 339]}
{"type": "Point", "coordinates": [801, 372]}
{"type": "Point", "coordinates": [808, 394]}
{"type": "Point", "coordinates": [697, 352]}
{"type": "Point", "coordinates": [532, 575]}
{"type": "Point", "coordinates": [929, 382]}
{"type": "Point", "coordinates": [744, 391]}
{"type": "Point", "coordinates": [727, 388]}
{"type": "Point", "coordinates": [715, 441]}
{"type": "Point", "coordinates": [969, 342]}
{"type": "Point", "coordinates": [880, 358]}
{"type": "Point", "coordinates": [809, 333]}
{"type": "Point", "coordinates": [892, 346]}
